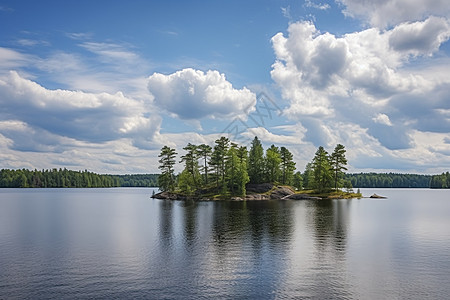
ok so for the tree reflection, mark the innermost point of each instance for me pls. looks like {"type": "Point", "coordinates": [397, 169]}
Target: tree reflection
{"type": "Point", "coordinates": [330, 221]}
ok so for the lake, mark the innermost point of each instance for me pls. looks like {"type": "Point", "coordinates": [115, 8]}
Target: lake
{"type": "Point", "coordinates": [119, 243]}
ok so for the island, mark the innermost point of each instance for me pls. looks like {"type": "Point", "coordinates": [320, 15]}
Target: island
{"type": "Point", "coordinates": [228, 171]}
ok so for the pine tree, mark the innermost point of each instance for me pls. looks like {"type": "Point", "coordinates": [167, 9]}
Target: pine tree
{"type": "Point", "coordinates": [190, 160]}
{"type": "Point", "coordinates": [321, 170]}
{"type": "Point", "coordinates": [218, 161]}
{"type": "Point", "coordinates": [272, 163]}
{"type": "Point", "coordinates": [166, 180]}
{"type": "Point", "coordinates": [287, 166]}
{"type": "Point", "coordinates": [256, 162]}
{"type": "Point", "coordinates": [204, 151]}
{"type": "Point", "coordinates": [297, 181]}
{"type": "Point", "coordinates": [338, 163]}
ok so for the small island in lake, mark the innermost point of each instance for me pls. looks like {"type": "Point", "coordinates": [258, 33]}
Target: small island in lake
{"type": "Point", "coordinates": [228, 171]}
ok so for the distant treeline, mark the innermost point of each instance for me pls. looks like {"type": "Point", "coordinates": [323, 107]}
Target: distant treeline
{"type": "Point", "coordinates": [389, 180]}
{"type": "Point", "coordinates": [63, 178]}
{"type": "Point", "coordinates": [440, 181]}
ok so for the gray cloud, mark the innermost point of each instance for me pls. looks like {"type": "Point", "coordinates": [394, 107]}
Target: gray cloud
{"type": "Point", "coordinates": [420, 37]}
{"type": "Point", "coordinates": [77, 115]}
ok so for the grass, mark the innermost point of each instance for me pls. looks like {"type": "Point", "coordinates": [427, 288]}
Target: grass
{"type": "Point", "coordinates": [331, 194]}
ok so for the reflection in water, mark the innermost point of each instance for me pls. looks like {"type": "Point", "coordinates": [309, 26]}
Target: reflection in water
{"type": "Point", "coordinates": [329, 221]}
{"type": "Point", "coordinates": [233, 243]}
{"type": "Point", "coordinates": [119, 244]}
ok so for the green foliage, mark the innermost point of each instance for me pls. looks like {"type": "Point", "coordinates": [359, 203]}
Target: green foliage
{"type": "Point", "coordinates": [166, 180]}
{"type": "Point", "coordinates": [186, 183]}
{"type": "Point", "coordinates": [287, 167]}
{"type": "Point", "coordinates": [138, 180]}
{"type": "Point", "coordinates": [256, 162]}
{"type": "Point", "coordinates": [236, 170]}
{"type": "Point", "coordinates": [190, 160]}
{"type": "Point", "coordinates": [218, 162]}
{"type": "Point", "coordinates": [441, 181]}
{"type": "Point", "coordinates": [272, 163]}
{"type": "Point", "coordinates": [55, 178]}
{"type": "Point", "coordinates": [297, 181]}
{"type": "Point", "coordinates": [308, 177]}
{"type": "Point", "coordinates": [321, 171]}
{"type": "Point", "coordinates": [337, 165]}
{"type": "Point", "coordinates": [389, 180]}
{"type": "Point", "coordinates": [204, 152]}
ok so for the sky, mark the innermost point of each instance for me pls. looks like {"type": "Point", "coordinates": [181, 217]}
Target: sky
{"type": "Point", "coordinates": [104, 85]}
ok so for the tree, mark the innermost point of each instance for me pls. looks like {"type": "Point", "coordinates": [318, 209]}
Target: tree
{"type": "Point", "coordinates": [297, 181]}
{"type": "Point", "coordinates": [166, 180]}
{"type": "Point", "coordinates": [287, 166]}
{"type": "Point", "coordinates": [218, 161]}
{"type": "Point", "coordinates": [338, 163]}
{"type": "Point", "coordinates": [186, 183]}
{"type": "Point", "coordinates": [190, 160]}
{"type": "Point", "coordinates": [321, 170]}
{"type": "Point", "coordinates": [242, 176]}
{"type": "Point", "coordinates": [272, 163]}
{"type": "Point", "coordinates": [204, 151]}
{"type": "Point", "coordinates": [256, 162]}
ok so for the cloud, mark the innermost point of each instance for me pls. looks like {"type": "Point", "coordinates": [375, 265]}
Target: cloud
{"type": "Point", "coordinates": [382, 119]}
{"type": "Point", "coordinates": [320, 6]}
{"type": "Point", "coordinates": [95, 118]}
{"type": "Point", "coordinates": [370, 72]}
{"type": "Point", "coordinates": [10, 59]}
{"type": "Point", "coordinates": [383, 13]}
{"type": "Point", "coordinates": [194, 94]}
{"type": "Point", "coordinates": [420, 38]}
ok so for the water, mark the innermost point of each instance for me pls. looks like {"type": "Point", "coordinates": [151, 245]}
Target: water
{"type": "Point", "coordinates": [120, 243]}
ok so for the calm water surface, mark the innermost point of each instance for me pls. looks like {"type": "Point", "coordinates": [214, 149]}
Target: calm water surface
{"type": "Point", "coordinates": [120, 243]}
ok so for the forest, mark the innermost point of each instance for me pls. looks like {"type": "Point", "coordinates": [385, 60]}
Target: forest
{"type": "Point", "coordinates": [227, 168]}
{"type": "Point", "coordinates": [440, 181]}
{"type": "Point", "coordinates": [63, 178]}
{"type": "Point", "coordinates": [389, 180]}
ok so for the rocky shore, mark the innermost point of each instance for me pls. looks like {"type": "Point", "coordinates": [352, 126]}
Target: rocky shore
{"type": "Point", "coordinates": [255, 192]}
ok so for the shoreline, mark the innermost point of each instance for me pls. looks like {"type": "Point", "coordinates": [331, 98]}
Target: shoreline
{"type": "Point", "coordinates": [260, 192]}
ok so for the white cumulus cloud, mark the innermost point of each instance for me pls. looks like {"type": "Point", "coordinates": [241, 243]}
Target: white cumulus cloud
{"type": "Point", "coordinates": [382, 119]}
{"type": "Point", "coordinates": [194, 94]}
{"type": "Point", "coordinates": [365, 73]}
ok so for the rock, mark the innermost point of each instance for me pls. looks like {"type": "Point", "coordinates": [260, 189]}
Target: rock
{"type": "Point", "coordinates": [300, 197]}
{"type": "Point", "coordinates": [236, 199]}
{"type": "Point", "coordinates": [253, 197]}
{"type": "Point", "coordinates": [169, 196]}
{"type": "Point", "coordinates": [258, 188]}
{"type": "Point", "coordinates": [280, 192]}
{"type": "Point", "coordinates": [377, 196]}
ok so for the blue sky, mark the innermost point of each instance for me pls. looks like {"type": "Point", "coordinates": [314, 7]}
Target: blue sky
{"type": "Point", "coordinates": [103, 85]}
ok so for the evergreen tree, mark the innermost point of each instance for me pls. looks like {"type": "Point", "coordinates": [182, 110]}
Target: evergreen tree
{"type": "Point", "coordinates": [232, 168]}
{"type": "Point", "coordinates": [338, 163]}
{"type": "Point", "coordinates": [218, 161]}
{"type": "Point", "coordinates": [272, 163]}
{"type": "Point", "coordinates": [190, 160]}
{"type": "Point", "coordinates": [256, 162]}
{"type": "Point", "coordinates": [242, 176]}
{"type": "Point", "coordinates": [186, 182]}
{"type": "Point", "coordinates": [287, 166]}
{"type": "Point", "coordinates": [321, 170]}
{"type": "Point", "coordinates": [297, 181]}
{"type": "Point", "coordinates": [166, 180]}
{"type": "Point", "coordinates": [204, 151]}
